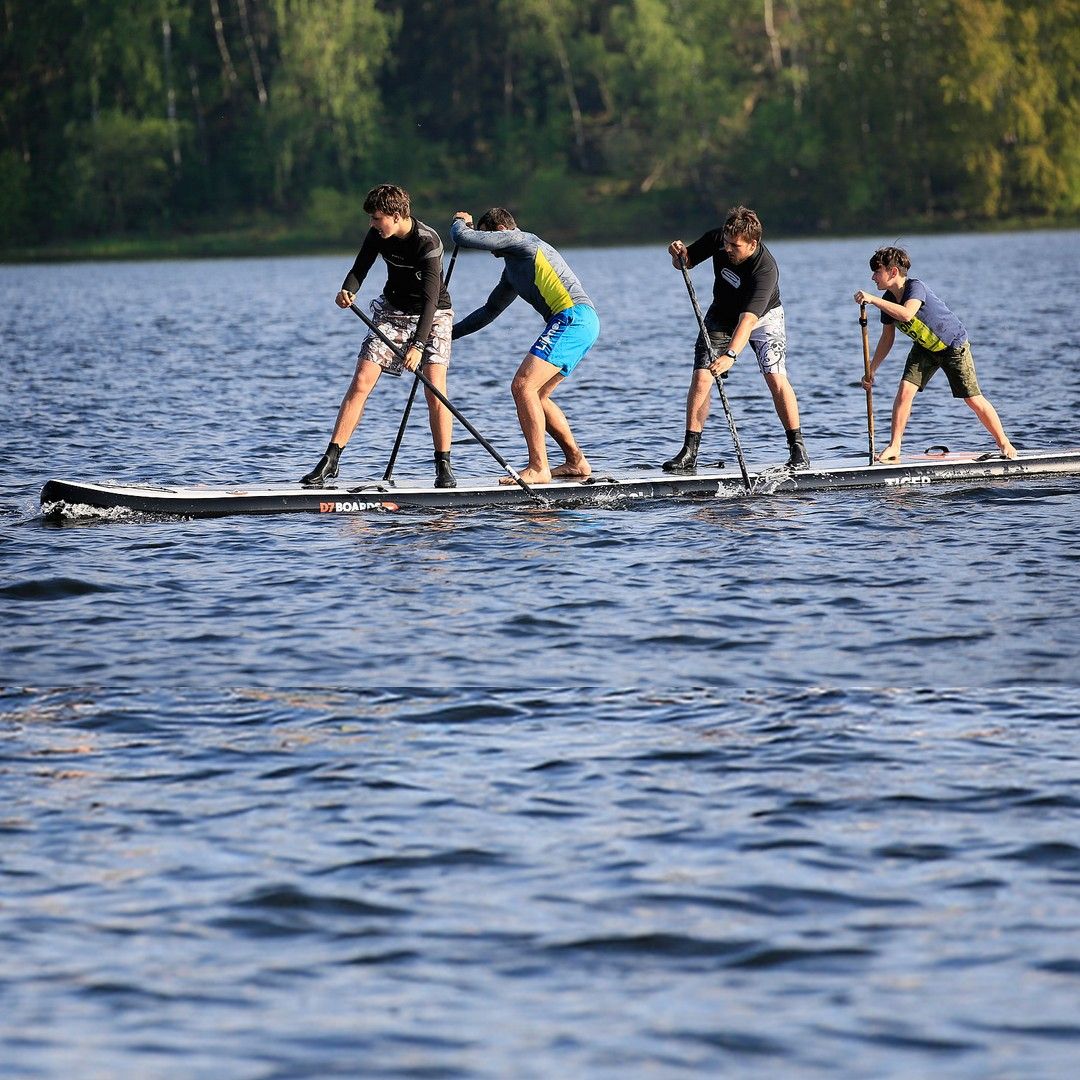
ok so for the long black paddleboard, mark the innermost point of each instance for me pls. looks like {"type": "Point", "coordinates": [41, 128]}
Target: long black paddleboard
{"type": "Point", "coordinates": [64, 498]}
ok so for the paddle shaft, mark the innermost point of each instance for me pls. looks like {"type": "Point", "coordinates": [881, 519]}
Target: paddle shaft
{"type": "Point", "coordinates": [719, 380]}
{"type": "Point", "coordinates": [446, 401]}
{"type": "Point", "coordinates": [415, 386]}
{"type": "Point", "coordinates": [866, 370]}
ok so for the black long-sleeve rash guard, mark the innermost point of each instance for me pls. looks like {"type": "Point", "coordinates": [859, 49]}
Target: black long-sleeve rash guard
{"type": "Point", "coordinates": [414, 278]}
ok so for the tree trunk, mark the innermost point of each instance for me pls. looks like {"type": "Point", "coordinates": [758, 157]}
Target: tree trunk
{"type": "Point", "coordinates": [223, 48]}
{"type": "Point", "coordinates": [170, 91]}
{"type": "Point", "coordinates": [256, 68]}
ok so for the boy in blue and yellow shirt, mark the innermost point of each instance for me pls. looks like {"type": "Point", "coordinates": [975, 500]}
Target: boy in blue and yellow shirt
{"type": "Point", "coordinates": [939, 341]}
{"type": "Point", "coordinates": [535, 271]}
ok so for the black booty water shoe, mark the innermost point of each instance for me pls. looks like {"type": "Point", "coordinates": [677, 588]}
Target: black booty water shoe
{"type": "Point", "coordinates": [326, 469]}
{"type": "Point", "coordinates": [685, 461]}
{"type": "Point", "coordinates": [798, 458]}
{"type": "Point", "coordinates": [444, 474]}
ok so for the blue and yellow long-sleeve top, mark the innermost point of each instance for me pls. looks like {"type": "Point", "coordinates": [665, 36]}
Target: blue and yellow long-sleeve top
{"type": "Point", "coordinates": [533, 270]}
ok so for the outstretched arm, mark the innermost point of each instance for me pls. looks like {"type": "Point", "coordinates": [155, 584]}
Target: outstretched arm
{"type": "Point", "coordinates": [700, 249]}
{"type": "Point", "coordinates": [507, 242]}
{"type": "Point", "coordinates": [899, 312]}
{"type": "Point", "coordinates": [502, 296]}
{"type": "Point", "coordinates": [365, 259]}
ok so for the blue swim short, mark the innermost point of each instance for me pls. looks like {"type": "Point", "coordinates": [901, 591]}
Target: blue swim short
{"type": "Point", "coordinates": [568, 336]}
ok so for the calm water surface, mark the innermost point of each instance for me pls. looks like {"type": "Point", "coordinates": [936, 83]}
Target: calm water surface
{"type": "Point", "coordinates": [781, 787]}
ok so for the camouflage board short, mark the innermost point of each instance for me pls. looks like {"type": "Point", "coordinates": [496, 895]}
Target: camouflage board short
{"type": "Point", "coordinates": [957, 363]}
{"type": "Point", "coordinates": [399, 328]}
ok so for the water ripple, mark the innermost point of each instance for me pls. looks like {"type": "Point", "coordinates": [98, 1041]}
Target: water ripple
{"type": "Point", "coordinates": [674, 790]}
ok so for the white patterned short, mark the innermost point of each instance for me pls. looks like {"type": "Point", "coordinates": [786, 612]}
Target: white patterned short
{"type": "Point", "coordinates": [399, 328]}
{"type": "Point", "coordinates": [768, 340]}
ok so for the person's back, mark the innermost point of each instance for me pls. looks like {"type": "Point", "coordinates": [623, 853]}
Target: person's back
{"type": "Point", "coordinates": [533, 269]}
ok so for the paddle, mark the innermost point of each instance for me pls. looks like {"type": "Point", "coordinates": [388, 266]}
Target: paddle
{"type": "Point", "coordinates": [866, 370]}
{"type": "Point", "coordinates": [446, 401]}
{"type": "Point", "coordinates": [416, 383]}
{"type": "Point", "coordinates": [719, 380]}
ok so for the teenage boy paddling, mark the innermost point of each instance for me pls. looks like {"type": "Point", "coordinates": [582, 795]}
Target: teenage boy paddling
{"type": "Point", "coordinates": [413, 311]}
{"type": "Point", "coordinates": [940, 341]}
{"type": "Point", "coordinates": [537, 273]}
{"type": "Point", "coordinates": [745, 309]}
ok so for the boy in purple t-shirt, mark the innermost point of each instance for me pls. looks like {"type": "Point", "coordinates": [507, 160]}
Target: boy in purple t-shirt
{"type": "Point", "coordinates": [940, 341]}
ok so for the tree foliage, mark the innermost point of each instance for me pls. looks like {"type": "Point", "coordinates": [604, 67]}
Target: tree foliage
{"type": "Point", "coordinates": [156, 115]}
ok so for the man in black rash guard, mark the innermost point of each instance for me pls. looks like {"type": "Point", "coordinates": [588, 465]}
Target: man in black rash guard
{"type": "Point", "coordinates": [745, 309]}
{"type": "Point", "coordinates": [413, 311]}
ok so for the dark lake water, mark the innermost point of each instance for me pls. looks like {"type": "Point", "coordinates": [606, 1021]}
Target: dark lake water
{"type": "Point", "coordinates": [774, 787]}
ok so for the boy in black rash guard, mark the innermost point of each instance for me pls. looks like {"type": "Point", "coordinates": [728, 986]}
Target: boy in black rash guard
{"type": "Point", "coordinates": [745, 309]}
{"type": "Point", "coordinates": [413, 311]}
{"type": "Point", "coordinates": [939, 341]}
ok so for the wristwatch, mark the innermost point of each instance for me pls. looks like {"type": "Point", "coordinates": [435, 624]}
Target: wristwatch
{"type": "Point", "coordinates": [732, 353]}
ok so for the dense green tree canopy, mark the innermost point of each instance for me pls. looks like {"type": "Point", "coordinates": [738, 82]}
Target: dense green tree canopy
{"type": "Point", "coordinates": [588, 117]}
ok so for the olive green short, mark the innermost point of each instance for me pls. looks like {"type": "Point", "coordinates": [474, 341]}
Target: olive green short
{"type": "Point", "coordinates": [957, 363]}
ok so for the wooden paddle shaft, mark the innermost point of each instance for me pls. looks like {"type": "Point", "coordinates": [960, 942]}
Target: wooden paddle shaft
{"type": "Point", "coordinates": [866, 372]}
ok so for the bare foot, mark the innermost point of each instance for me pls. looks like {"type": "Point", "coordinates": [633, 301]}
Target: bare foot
{"type": "Point", "coordinates": [530, 476]}
{"type": "Point", "coordinates": [889, 456]}
{"type": "Point", "coordinates": [576, 468]}
{"type": "Point", "coordinates": [1007, 450]}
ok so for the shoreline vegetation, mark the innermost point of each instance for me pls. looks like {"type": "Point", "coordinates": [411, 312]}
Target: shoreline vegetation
{"type": "Point", "coordinates": [275, 239]}
{"type": "Point", "coordinates": [254, 127]}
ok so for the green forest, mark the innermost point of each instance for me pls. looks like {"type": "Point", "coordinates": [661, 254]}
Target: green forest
{"type": "Point", "coordinates": [264, 122]}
